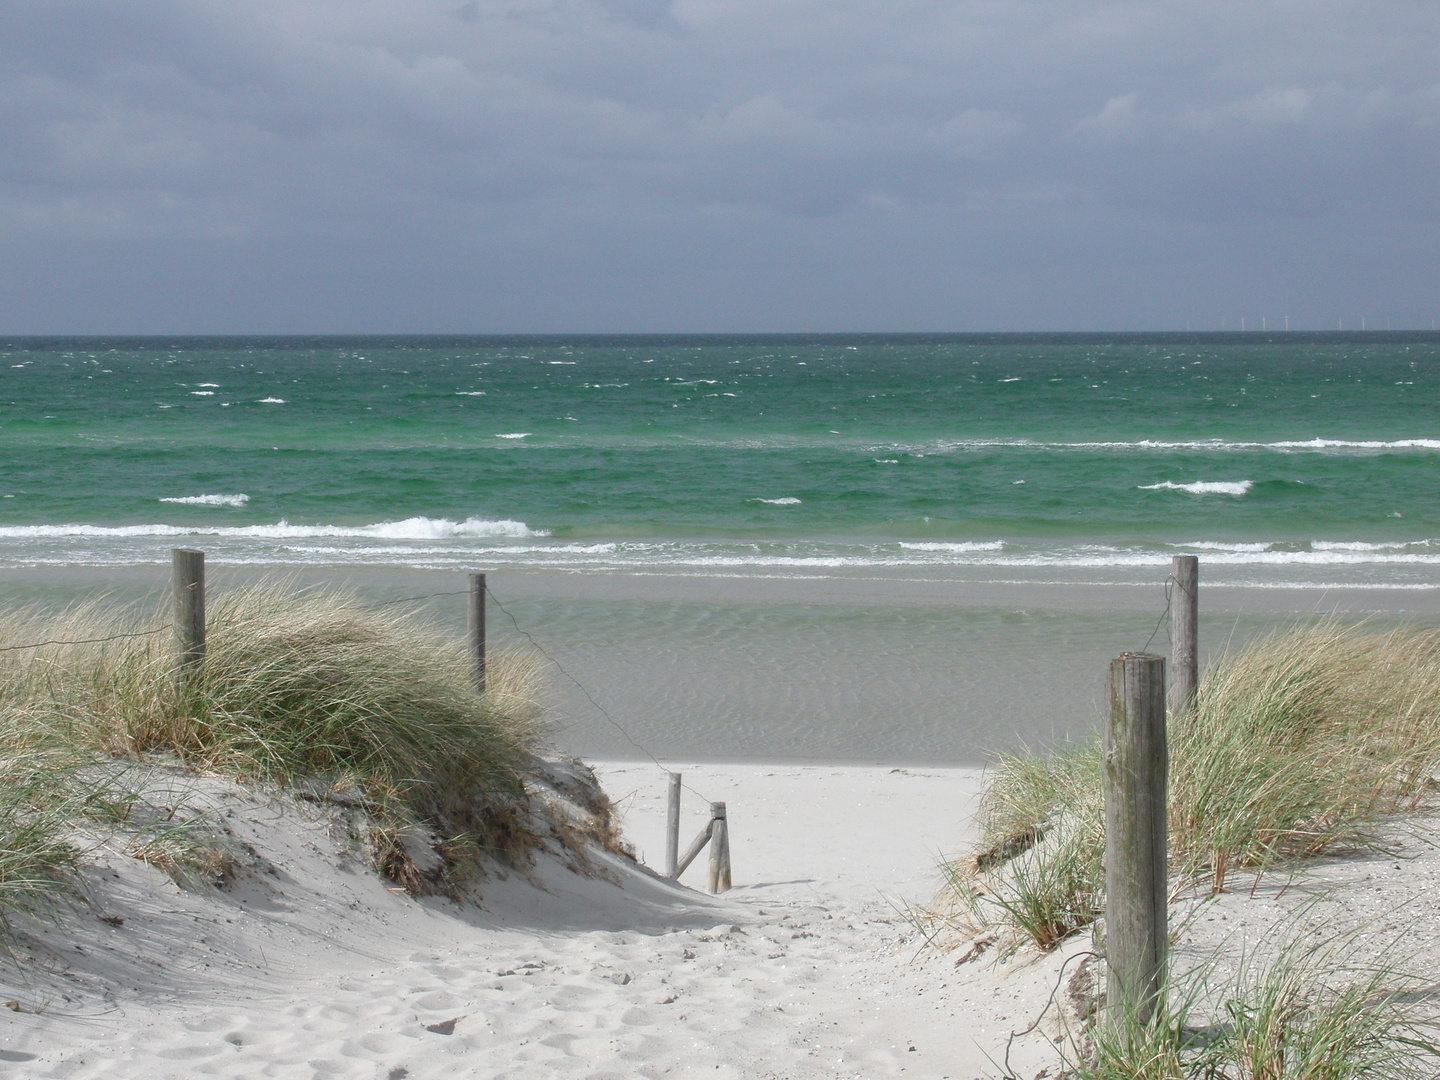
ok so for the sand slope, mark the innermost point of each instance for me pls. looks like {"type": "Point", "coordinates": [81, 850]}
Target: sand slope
{"type": "Point", "coordinates": [309, 966]}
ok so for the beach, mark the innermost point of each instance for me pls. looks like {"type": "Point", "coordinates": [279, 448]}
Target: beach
{"type": "Point", "coordinates": [832, 582]}
{"type": "Point", "coordinates": [810, 967]}
{"type": "Point", "coordinates": [869, 669]}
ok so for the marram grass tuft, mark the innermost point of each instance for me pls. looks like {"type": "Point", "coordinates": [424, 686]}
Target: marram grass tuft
{"type": "Point", "coordinates": [310, 687]}
{"type": "Point", "coordinates": [1298, 744]}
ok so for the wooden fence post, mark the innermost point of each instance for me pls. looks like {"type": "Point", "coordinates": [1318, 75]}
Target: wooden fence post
{"type": "Point", "coordinates": [696, 846]}
{"type": "Point", "coordinates": [672, 828]}
{"type": "Point", "coordinates": [187, 585]}
{"type": "Point", "coordinates": [719, 849]}
{"type": "Point", "coordinates": [1185, 633]}
{"type": "Point", "coordinates": [477, 631]}
{"type": "Point", "coordinates": [1136, 835]}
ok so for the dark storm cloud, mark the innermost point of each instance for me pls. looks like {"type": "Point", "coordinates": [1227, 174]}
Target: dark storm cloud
{"type": "Point", "coordinates": [714, 163]}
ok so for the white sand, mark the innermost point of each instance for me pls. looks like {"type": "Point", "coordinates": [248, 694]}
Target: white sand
{"type": "Point", "coordinates": [309, 966]}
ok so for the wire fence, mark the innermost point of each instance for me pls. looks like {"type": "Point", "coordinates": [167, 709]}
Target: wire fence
{"type": "Point", "coordinates": [84, 641]}
{"type": "Point", "coordinates": [1163, 621]}
{"type": "Point", "coordinates": [582, 688]}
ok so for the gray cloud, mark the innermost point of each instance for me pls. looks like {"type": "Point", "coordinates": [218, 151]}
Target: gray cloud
{"type": "Point", "coordinates": [712, 164]}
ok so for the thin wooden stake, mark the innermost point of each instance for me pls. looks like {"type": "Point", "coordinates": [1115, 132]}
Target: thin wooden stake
{"type": "Point", "coordinates": [1136, 835]}
{"type": "Point", "coordinates": [187, 584]}
{"type": "Point", "coordinates": [719, 849]}
{"type": "Point", "coordinates": [696, 846]}
{"type": "Point", "coordinates": [477, 631]}
{"type": "Point", "coordinates": [1184, 633]}
{"type": "Point", "coordinates": [672, 828]}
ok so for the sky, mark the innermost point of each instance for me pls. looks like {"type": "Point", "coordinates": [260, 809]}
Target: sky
{"type": "Point", "coordinates": [553, 166]}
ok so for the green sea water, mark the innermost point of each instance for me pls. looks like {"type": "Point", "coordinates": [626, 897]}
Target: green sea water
{"type": "Point", "coordinates": [1296, 455]}
{"type": "Point", "coordinates": [849, 548]}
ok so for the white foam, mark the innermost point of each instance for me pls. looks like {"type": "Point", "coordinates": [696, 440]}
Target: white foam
{"type": "Point", "coordinates": [515, 435]}
{"type": "Point", "coordinates": [271, 401]}
{"type": "Point", "coordinates": [1357, 545]}
{"type": "Point", "coordinates": [208, 500]}
{"type": "Point", "coordinates": [416, 528]}
{"type": "Point", "coordinates": [787, 500]}
{"type": "Point", "coordinates": [1359, 444]}
{"type": "Point", "coordinates": [469, 393]}
{"type": "Point", "coordinates": [1216, 545]}
{"type": "Point", "coordinates": [216, 385]}
{"type": "Point", "coordinates": [1204, 487]}
{"type": "Point", "coordinates": [957, 548]}
{"type": "Point", "coordinates": [202, 393]}
{"type": "Point", "coordinates": [1287, 446]}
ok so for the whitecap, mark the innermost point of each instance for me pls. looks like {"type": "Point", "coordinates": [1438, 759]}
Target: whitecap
{"type": "Point", "coordinates": [202, 393]}
{"type": "Point", "coordinates": [1203, 487]}
{"type": "Point", "coordinates": [955, 548]}
{"type": "Point", "coordinates": [208, 500]}
{"type": "Point", "coordinates": [787, 500]}
{"type": "Point", "coordinates": [271, 401]}
{"type": "Point", "coordinates": [469, 393]}
{"type": "Point", "coordinates": [416, 528]}
{"type": "Point", "coordinates": [515, 435]}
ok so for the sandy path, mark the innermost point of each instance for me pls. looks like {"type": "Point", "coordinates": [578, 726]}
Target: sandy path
{"type": "Point", "coordinates": [310, 967]}
{"type": "Point", "coordinates": [314, 969]}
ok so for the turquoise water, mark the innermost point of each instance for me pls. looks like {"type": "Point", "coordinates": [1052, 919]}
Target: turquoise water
{"type": "Point", "coordinates": [1283, 459]}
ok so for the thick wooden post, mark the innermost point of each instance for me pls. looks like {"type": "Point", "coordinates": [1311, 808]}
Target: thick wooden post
{"type": "Point", "coordinates": [719, 849]}
{"type": "Point", "coordinates": [477, 631]}
{"type": "Point", "coordinates": [1184, 633]}
{"type": "Point", "coordinates": [187, 585]}
{"type": "Point", "coordinates": [672, 828]}
{"type": "Point", "coordinates": [1136, 835]}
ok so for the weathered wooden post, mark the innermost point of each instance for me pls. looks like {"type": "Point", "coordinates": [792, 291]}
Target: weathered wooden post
{"type": "Point", "coordinates": [672, 828]}
{"type": "Point", "coordinates": [187, 584]}
{"type": "Point", "coordinates": [1184, 633]}
{"type": "Point", "coordinates": [477, 631]}
{"type": "Point", "coordinates": [719, 849]}
{"type": "Point", "coordinates": [1136, 835]}
{"type": "Point", "coordinates": [696, 846]}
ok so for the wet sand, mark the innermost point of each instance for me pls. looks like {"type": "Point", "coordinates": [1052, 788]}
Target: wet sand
{"type": "Point", "coordinates": [822, 669]}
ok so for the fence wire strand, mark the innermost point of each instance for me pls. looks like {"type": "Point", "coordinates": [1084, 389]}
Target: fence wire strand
{"type": "Point", "coordinates": [83, 641]}
{"type": "Point", "coordinates": [588, 696]}
{"type": "Point", "coordinates": [1164, 615]}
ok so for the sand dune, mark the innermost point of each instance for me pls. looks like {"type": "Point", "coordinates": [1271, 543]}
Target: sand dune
{"type": "Point", "coordinates": [308, 965]}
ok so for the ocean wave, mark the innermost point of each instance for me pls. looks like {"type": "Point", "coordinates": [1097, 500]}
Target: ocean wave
{"type": "Point", "coordinates": [208, 500]}
{"type": "Point", "coordinates": [1203, 487]}
{"type": "Point", "coordinates": [785, 500]}
{"type": "Point", "coordinates": [515, 435]}
{"type": "Point", "coordinates": [964, 546]}
{"type": "Point", "coordinates": [939, 446]}
{"type": "Point", "coordinates": [415, 528]}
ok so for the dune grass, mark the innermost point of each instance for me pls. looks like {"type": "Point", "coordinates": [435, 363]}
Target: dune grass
{"type": "Point", "coordinates": [1297, 1007]}
{"type": "Point", "coordinates": [1298, 744]}
{"type": "Point", "coordinates": [311, 686]}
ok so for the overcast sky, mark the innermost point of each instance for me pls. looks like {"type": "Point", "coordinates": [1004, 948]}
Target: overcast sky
{"type": "Point", "coordinates": [727, 165]}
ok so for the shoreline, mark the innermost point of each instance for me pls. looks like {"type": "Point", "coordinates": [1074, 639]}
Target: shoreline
{"type": "Point", "coordinates": [840, 670]}
{"type": "Point", "coordinates": [837, 589]}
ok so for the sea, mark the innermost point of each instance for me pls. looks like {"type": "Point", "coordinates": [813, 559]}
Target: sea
{"type": "Point", "coordinates": [925, 461]}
